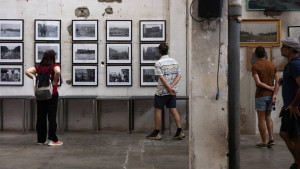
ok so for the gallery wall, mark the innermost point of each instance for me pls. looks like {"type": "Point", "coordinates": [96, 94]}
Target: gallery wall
{"type": "Point", "coordinates": [65, 11]}
{"type": "Point", "coordinates": [113, 114]}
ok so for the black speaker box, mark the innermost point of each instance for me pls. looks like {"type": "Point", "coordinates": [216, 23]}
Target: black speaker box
{"type": "Point", "coordinates": [210, 8]}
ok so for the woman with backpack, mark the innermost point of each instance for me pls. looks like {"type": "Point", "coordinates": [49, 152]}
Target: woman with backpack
{"type": "Point", "coordinates": [41, 73]}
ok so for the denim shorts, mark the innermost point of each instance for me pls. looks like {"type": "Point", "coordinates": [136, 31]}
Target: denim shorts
{"type": "Point", "coordinates": [263, 103]}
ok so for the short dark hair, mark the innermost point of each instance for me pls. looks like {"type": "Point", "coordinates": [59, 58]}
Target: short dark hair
{"type": "Point", "coordinates": [163, 48]}
{"type": "Point", "coordinates": [260, 52]}
{"type": "Point", "coordinates": [48, 58]}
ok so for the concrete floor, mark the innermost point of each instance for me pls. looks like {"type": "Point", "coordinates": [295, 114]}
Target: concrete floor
{"type": "Point", "coordinates": [119, 150]}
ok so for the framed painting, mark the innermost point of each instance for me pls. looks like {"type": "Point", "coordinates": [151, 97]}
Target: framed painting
{"type": "Point", "coordinates": [85, 30]}
{"type": "Point", "coordinates": [273, 5]}
{"type": "Point", "coordinates": [152, 30]}
{"type": "Point", "coordinates": [118, 75]}
{"type": "Point", "coordinates": [149, 53]}
{"type": "Point", "coordinates": [148, 77]}
{"type": "Point", "coordinates": [251, 59]}
{"type": "Point", "coordinates": [119, 30]}
{"type": "Point", "coordinates": [40, 49]}
{"type": "Point", "coordinates": [268, 34]}
{"type": "Point", "coordinates": [47, 30]}
{"type": "Point", "coordinates": [294, 31]}
{"type": "Point", "coordinates": [11, 52]}
{"type": "Point", "coordinates": [117, 53]}
{"type": "Point", "coordinates": [11, 29]}
{"type": "Point", "coordinates": [11, 75]}
{"type": "Point", "coordinates": [85, 53]}
{"type": "Point", "coordinates": [85, 75]}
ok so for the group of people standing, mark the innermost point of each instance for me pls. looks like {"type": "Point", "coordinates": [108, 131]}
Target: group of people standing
{"type": "Point", "coordinates": [267, 81]}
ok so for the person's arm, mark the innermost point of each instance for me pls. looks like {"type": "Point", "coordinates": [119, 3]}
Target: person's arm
{"type": "Point", "coordinates": [176, 80]}
{"type": "Point", "coordinates": [294, 111]}
{"type": "Point", "coordinates": [276, 87]}
{"type": "Point", "coordinates": [30, 72]}
{"type": "Point", "coordinates": [56, 75]}
{"type": "Point", "coordinates": [260, 84]}
{"type": "Point", "coordinates": [167, 86]}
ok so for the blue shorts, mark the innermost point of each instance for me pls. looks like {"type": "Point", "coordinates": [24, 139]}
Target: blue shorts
{"type": "Point", "coordinates": [263, 103]}
{"type": "Point", "coordinates": [161, 101]}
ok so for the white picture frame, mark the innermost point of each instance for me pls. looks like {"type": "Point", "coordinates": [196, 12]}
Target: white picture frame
{"type": "Point", "coordinates": [47, 30]}
{"type": "Point", "coordinates": [118, 75]}
{"type": "Point", "coordinates": [148, 77]}
{"type": "Point", "coordinates": [119, 30]}
{"type": "Point", "coordinates": [84, 75]}
{"type": "Point", "coordinates": [85, 30]}
{"type": "Point", "coordinates": [11, 52]}
{"type": "Point", "coordinates": [41, 47]}
{"type": "Point", "coordinates": [11, 29]}
{"type": "Point", "coordinates": [11, 75]}
{"type": "Point", "coordinates": [118, 53]}
{"type": "Point", "coordinates": [85, 53]}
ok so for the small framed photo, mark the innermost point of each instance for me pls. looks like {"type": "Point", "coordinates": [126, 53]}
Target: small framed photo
{"type": "Point", "coordinates": [294, 31]}
{"type": "Point", "coordinates": [47, 30]}
{"type": "Point", "coordinates": [148, 77]}
{"type": "Point", "coordinates": [40, 49]}
{"type": "Point", "coordinates": [11, 75]}
{"type": "Point", "coordinates": [118, 75]}
{"type": "Point", "coordinates": [118, 53]}
{"type": "Point", "coordinates": [85, 53]}
{"type": "Point", "coordinates": [149, 53]}
{"type": "Point", "coordinates": [152, 30]}
{"type": "Point", "coordinates": [251, 59]}
{"type": "Point", "coordinates": [85, 75]}
{"type": "Point", "coordinates": [268, 34]}
{"type": "Point", "coordinates": [11, 29]}
{"type": "Point", "coordinates": [119, 30]}
{"type": "Point", "coordinates": [85, 30]}
{"type": "Point", "coordinates": [11, 52]}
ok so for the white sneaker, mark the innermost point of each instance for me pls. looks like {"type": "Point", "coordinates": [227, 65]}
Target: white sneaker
{"type": "Point", "coordinates": [52, 143]}
{"type": "Point", "coordinates": [45, 143]}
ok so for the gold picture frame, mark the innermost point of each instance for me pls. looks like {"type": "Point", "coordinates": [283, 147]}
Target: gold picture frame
{"type": "Point", "coordinates": [251, 59]}
{"type": "Point", "coordinates": [260, 32]}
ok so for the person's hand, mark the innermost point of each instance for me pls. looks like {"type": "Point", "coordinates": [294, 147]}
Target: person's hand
{"type": "Point", "coordinates": [272, 88]}
{"type": "Point", "coordinates": [274, 99]}
{"type": "Point", "coordinates": [171, 90]}
{"type": "Point", "coordinates": [280, 81]}
{"type": "Point", "coordinates": [294, 111]}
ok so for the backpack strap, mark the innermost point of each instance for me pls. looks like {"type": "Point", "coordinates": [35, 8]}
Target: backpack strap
{"type": "Point", "coordinates": [49, 69]}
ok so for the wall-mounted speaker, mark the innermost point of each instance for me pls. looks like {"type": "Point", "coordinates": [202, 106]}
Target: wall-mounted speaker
{"type": "Point", "coordinates": [210, 8]}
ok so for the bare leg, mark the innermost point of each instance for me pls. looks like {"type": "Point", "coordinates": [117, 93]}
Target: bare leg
{"type": "Point", "coordinates": [157, 118]}
{"type": "Point", "coordinates": [269, 123]}
{"type": "Point", "coordinates": [289, 143]}
{"type": "Point", "coordinates": [262, 126]}
{"type": "Point", "coordinates": [176, 117]}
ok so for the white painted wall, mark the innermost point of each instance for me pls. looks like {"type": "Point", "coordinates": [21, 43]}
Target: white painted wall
{"type": "Point", "coordinates": [112, 116]}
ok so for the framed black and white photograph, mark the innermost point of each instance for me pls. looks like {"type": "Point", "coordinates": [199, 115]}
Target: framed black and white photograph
{"type": "Point", "coordinates": [273, 5]}
{"type": "Point", "coordinates": [118, 75]}
{"type": "Point", "coordinates": [47, 30]}
{"type": "Point", "coordinates": [118, 53]}
{"type": "Point", "coordinates": [268, 34]}
{"type": "Point", "coordinates": [153, 31]}
{"type": "Point", "coordinates": [118, 30]}
{"type": "Point", "coordinates": [294, 31]}
{"type": "Point", "coordinates": [40, 49]}
{"type": "Point", "coordinates": [11, 29]}
{"type": "Point", "coordinates": [85, 30]}
{"type": "Point", "coordinates": [85, 75]}
{"type": "Point", "coordinates": [148, 77]}
{"type": "Point", "coordinates": [85, 53]}
{"type": "Point", "coordinates": [149, 53]}
{"type": "Point", "coordinates": [11, 52]}
{"type": "Point", "coordinates": [11, 75]}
